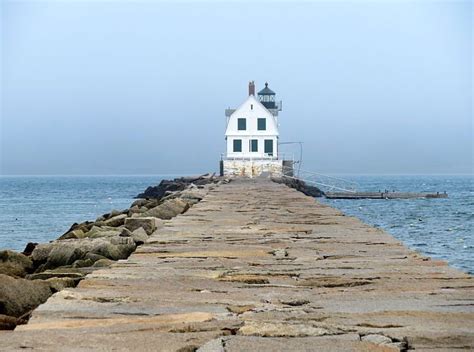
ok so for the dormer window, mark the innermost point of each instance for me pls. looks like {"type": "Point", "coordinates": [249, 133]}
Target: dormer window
{"type": "Point", "coordinates": [261, 124]}
{"type": "Point", "coordinates": [241, 124]}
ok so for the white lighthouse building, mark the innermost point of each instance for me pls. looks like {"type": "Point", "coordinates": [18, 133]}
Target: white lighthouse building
{"type": "Point", "coordinates": [252, 137]}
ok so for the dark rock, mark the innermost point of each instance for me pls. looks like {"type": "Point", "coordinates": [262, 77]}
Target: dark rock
{"type": "Point", "coordinates": [19, 296]}
{"type": "Point", "coordinates": [178, 184]}
{"type": "Point", "coordinates": [8, 322]}
{"type": "Point", "coordinates": [160, 190]}
{"type": "Point", "coordinates": [30, 246]}
{"type": "Point", "coordinates": [299, 185]}
{"type": "Point", "coordinates": [14, 264]}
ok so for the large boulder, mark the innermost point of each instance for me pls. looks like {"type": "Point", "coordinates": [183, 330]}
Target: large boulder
{"type": "Point", "coordinates": [14, 264]}
{"type": "Point", "coordinates": [103, 231]}
{"type": "Point", "coordinates": [41, 253]}
{"type": "Point", "coordinates": [147, 223]}
{"type": "Point", "coordinates": [117, 248]}
{"type": "Point", "coordinates": [136, 209]}
{"type": "Point", "coordinates": [139, 236]}
{"type": "Point", "coordinates": [67, 252]}
{"type": "Point", "coordinates": [83, 226]}
{"type": "Point", "coordinates": [139, 203]}
{"type": "Point", "coordinates": [19, 296]}
{"type": "Point", "coordinates": [163, 187]}
{"type": "Point", "coordinates": [193, 194]}
{"type": "Point", "coordinates": [178, 184]}
{"type": "Point", "coordinates": [74, 234]}
{"type": "Point", "coordinates": [168, 209]}
{"type": "Point", "coordinates": [115, 221]}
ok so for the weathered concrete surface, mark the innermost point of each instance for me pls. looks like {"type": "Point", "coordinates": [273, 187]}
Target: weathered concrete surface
{"type": "Point", "coordinates": [259, 266]}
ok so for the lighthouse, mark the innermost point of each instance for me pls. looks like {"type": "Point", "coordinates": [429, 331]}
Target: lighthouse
{"type": "Point", "coordinates": [252, 136]}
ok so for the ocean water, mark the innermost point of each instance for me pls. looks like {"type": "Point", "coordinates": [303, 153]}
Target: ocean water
{"type": "Point", "coordinates": [439, 228]}
{"type": "Point", "coordinates": [41, 208]}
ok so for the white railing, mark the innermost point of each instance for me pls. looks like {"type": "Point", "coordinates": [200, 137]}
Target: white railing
{"type": "Point", "coordinates": [258, 156]}
{"type": "Point", "coordinates": [324, 182]}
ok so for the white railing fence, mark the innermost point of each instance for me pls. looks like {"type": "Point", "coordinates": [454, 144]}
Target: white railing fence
{"type": "Point", "coordinates": [325, 182]}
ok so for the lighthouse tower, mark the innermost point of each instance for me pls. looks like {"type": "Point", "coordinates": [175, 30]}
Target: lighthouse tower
{"type": "Point", "coordinates": [252, 136]}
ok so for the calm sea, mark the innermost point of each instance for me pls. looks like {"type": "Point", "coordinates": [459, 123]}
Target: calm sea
{"type": "Point", "coordinates": [440, 228]}
{"type": "Point", "coordinates": [40, 208]}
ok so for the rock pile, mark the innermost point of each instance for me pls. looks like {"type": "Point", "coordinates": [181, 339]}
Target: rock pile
{"type": "Point", "coordinates": [178, 184]}
{"type": "Point", "coordinates": [27, 279]}
{"type": "Point", "coordinates": [299, 185]}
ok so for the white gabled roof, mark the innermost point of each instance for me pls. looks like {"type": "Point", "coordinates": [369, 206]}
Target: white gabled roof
{"type": "Point", "coordinates": [258, 110]}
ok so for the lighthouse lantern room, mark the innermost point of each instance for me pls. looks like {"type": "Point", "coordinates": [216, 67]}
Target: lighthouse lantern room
{"type": "Point", "coordinates": [252, 136]}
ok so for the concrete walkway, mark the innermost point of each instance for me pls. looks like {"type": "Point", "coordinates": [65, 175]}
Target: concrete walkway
{"type": "Point", "coordinates": [257, 266]}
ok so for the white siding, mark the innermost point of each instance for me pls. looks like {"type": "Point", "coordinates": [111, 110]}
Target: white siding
{"type": "Point", "coordinates": [251, 110]}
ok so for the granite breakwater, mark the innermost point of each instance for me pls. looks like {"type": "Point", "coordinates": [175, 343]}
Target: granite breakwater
{"type": "Point", "coordinates": [256, 265]}
{"type": "Point", "coordinates": [29, 278]}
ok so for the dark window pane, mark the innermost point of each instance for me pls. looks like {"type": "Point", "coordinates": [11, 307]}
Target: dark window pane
{"type": "Point", "coordinates": [261, 124]}
{"type": "Point", "coordinates": [241, 124]}
{"type": "Point", "coordinates": [237, 145]}
{"type": "Point", "coordinates": [269, 146]}
{"type": "Point", "coordinates": [254, 145]}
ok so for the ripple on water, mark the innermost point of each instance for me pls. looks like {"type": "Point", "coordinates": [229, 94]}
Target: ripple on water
{"type": "Point", "coordinates": [442, 228]}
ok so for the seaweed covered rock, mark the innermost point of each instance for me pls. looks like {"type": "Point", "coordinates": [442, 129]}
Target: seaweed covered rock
{"type": "Point", "coordinates": [14, 264]}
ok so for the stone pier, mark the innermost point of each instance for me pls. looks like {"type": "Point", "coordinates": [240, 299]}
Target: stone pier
{"type": "Point", "coordinates": [257, 266]}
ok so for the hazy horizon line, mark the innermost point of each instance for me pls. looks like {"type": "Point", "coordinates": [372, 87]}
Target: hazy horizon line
{"type": "Point", "coordinates": [200, 173]}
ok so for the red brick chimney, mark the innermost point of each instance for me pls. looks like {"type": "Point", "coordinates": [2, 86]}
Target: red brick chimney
{"type": "Point", "coordinates": [251, 88]}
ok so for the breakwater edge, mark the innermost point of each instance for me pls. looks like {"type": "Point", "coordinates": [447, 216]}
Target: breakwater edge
{"type": "Point", "coordinates": [28, 278]}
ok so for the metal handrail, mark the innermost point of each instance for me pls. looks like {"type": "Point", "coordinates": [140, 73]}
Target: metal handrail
{"type": "Point", "coordinates": [326, 181]}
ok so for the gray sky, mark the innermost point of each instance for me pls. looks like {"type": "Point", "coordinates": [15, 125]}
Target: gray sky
{"type": "Point", "coordinates": [140, 87]}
